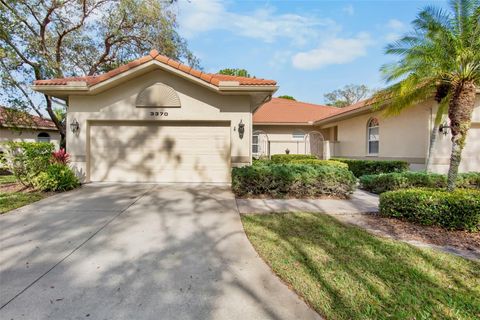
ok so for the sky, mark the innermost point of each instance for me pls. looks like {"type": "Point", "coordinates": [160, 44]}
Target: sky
{"type": "Point", "coordinates": [309, 47]}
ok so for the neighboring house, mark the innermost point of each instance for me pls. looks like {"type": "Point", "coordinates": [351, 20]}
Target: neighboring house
{"type": "Point", "coordinates": [156, 120]}
{"type": "Point", "coordinates": [21, 126]}
{"type": "Point", "coordinates": [359, 132]}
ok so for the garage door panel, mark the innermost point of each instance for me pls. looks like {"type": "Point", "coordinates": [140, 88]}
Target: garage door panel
{"type": "Point", "coordinates": [153, 153]}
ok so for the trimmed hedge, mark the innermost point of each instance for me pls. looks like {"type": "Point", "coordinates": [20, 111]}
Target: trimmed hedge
{"type": "Point", "coordinates": [364, 167]}
{"type": "Point", "coordinates": [318, 162]}
{"type": "Point", "coordinates": [400, 180]}
{"type": "Point", "coordinates": [285, 158]}
{"type": "Point", "coordinates": [292, 180]}
{"type": "Point", "coordinates": [458, 210]}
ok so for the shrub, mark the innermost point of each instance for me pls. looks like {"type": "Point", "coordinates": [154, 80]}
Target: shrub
{"type": "Point", "coordinates": [458, 210]}
{"type": "Point", "coordinates": [285, 158]}
{"type": "Point", "coordinates": [57, 177]}
{"type": "Point", "coordinates": [25, 160]}
{"type": "Point", "coordinates": [379, 183]}
{"type": "Point", "coordinates": [292, 180]}
{"type": "Point", "coordinates": [61, 157]}
{"type": "Point", "coordinates": [469, 180]}
{"type": "Point", "coordinates": [364, 167]}
{"type": "Point", "coordinates": [318, 162]}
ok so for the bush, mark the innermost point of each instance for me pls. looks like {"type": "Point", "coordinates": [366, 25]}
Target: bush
{"type": "Point", "coordinates": [364, 167]}
{"type": "Point", "coordinates": [57, 177]}
{"type": "Point", "coordinates": [292, 180]}
{"type": "Point", "coordinates": [459, 210]}
{"type": "Point", "coordinates": [61, 157]}
{"type": "Point", "coordinates": [379, 183]}
{"type": "Point", "coordinates": [469, 180]}
{"type": "Point", "coordinates": [25, 160]}
{"type": "Point", "coordinates": [285, 158]}
{"type": "Point", "coordinates": [318, 162]}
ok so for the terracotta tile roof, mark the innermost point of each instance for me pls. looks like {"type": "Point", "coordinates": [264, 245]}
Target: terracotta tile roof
{"type": "Point", "coordinates": [289, 111]}
{"type": "Point", "coordinates": [14, 118]}
{"type": "Point", "coordinates": [154, 55]}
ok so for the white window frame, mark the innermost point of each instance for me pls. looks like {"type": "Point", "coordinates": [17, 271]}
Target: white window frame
{"type": "Point", "coordinates": [298, 135]}
{"type": "Point", "coordinates": [48, 138]}
{"type": "Point", "coordinates": [369, 128]}
{"type": "Point", "coordinates": [256, 144]}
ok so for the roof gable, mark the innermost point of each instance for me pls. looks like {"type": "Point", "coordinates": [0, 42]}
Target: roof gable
{"type": "Point", "coordinates": [154, 59]}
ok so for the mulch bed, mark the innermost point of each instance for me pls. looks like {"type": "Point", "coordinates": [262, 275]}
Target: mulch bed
{"type": "Point", "coordinates": [404, 230]}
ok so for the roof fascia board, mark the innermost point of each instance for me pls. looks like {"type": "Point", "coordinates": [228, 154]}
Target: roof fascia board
{"type": "Point", "coordinates": [142, 69]}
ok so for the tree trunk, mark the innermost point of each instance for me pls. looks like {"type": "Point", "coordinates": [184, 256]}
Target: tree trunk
{"type": "Point", "coordinates": [433, 140]}
{"type": "Point", "coordinates": [53, 116]}
{"type": "Point", "coordinates": [460, 114]}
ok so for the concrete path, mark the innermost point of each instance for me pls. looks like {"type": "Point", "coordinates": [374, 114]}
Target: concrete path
{"type": "Point", "coordinates": [137, 252]}
{"type": "Point", "coordinates": [360, 202]}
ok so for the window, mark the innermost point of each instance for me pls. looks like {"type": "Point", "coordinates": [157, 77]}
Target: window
{"type": "Point", "coordinates": [43, 137]}
{"type": "Point", "coordinates": [298, 135]}
{"type": "Point", "coordinates": [255, 147]}
{"type": "Point", "coordinates": [373, 136]}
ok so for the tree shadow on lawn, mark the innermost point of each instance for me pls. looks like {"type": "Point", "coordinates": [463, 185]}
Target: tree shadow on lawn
{"type": "Point", "coordinates": [346, 273]}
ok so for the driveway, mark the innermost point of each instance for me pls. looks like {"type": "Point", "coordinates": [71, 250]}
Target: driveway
{"type": "Point", "coordinates": [137, 252]}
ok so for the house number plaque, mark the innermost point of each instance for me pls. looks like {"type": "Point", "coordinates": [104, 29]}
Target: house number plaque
{"type": "Point", "coordinates": [158, 114]}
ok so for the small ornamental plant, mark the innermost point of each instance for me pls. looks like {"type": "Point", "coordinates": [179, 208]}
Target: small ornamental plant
{"type": "Point", "coordinates": [61, 157]}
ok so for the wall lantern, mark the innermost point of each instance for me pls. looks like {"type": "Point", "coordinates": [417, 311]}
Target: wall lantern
{"type": "Point", "coordinates": [74, 126]}
{"type": "Point", "coordinates": [241, 129]}
{"type": "Point", "coordinates": [444, 128]}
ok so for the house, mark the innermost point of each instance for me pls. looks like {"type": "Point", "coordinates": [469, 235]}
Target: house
{"type": "Point", "coordinates": [20, 126]}
{"type": "Point", "coordinates": [157, 120]}
{"type": "Point", "coordinates": [359, 132]}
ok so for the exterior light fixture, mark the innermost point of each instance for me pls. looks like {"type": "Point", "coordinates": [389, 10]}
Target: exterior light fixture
{"type": "Point", "coordinates": [74, 126]}
{"type": "Point", "coordinates": [241, 129]}
{"type": "Point", "coordinates": [444, 128]}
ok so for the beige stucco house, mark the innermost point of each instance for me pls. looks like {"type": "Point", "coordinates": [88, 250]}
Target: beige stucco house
{"type": "Point", "coordinates": [156, 120]}
{"type": "Point", "coordinates": [20, 126]}
{"type": "Point", "coordinates": [359, 132]}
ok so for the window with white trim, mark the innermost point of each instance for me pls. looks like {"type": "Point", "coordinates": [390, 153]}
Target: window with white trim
{"type": "Point", "coordinates": [43, 137]}
{"type": "Point", "coordinates": [298, 135]}
{"type": "Point", "coordinates": [373, 136]}
{"type": "Point", "coordinates": [255, 148]}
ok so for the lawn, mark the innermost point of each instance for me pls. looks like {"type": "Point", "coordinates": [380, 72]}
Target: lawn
{"type": "Point", "coordinates": [346, 273]}
{"type": "Point", "coordinates": [12, 197]}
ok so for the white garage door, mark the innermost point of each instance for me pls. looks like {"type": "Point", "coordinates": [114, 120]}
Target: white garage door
{"type": "Point", "coordinates": [165, 152]}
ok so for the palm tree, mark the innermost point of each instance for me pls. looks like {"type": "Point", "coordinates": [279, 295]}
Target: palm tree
{"type": "Point", "coordinates": [441, 59]}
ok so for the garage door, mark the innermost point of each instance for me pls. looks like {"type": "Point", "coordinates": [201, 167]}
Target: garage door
{"type": "Point", "coordinates": [152, 152]}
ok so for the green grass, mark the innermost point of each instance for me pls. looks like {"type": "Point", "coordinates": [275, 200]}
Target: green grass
{"type": "Point", "coordinates": [7, 179]}
{"type": "Point", "coordinates": [345, 273]}
{"type": "Point", "coordinates": [13, 200]}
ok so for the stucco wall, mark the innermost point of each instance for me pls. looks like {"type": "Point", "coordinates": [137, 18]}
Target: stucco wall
{"type": "Point", "coordinates": [197, 104]}
{"type": "Point", "coordinates": [281, 138]}
{"type": "Point", "coordinates": [27, 136]}
{"type": "Point", "coordinates": [471, 152]}
{"type": "Point", "coordinates": [404, 136]}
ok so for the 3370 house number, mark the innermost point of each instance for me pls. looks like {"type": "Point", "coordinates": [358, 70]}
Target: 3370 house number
{"type": "Point", "coordinates": [158, 114]}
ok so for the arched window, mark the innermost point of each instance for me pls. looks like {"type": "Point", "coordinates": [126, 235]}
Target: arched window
{"type": "Point", "coordinates": [373, 136]}
{"type": "Point", "coordinates": [43, 137]}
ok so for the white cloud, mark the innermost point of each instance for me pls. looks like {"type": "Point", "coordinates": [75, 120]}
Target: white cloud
{"type": "Point", "coordinates": [397, 28]}
{"type": "Point", "coordinates": [349, 10]}
{"type": "Point", "coordinates": [333, 51]}
{"type": "Point", "coordinates": [395, 24]}
{"type": "Point", "coordinates": [198, 16]}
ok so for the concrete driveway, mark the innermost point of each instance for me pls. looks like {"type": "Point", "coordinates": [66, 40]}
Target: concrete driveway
{"type": "Point", "coordinates": [137, 252]}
